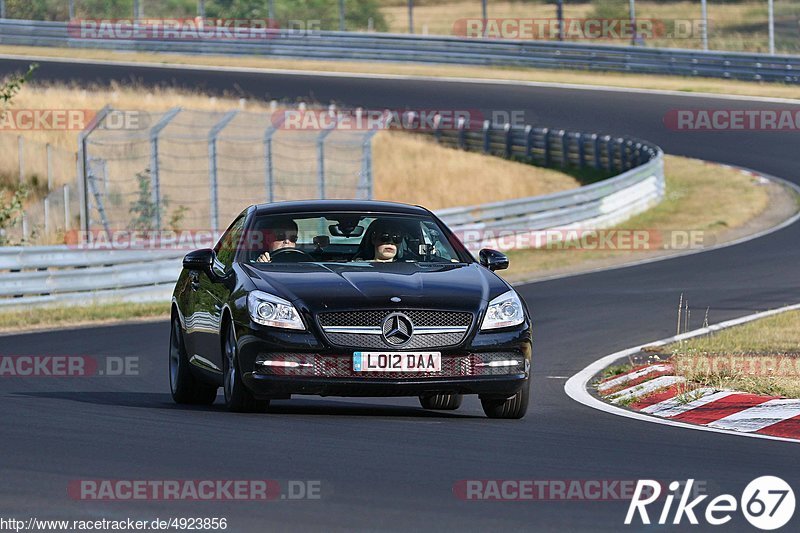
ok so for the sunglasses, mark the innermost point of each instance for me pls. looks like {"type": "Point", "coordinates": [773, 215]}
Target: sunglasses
{"type": "Point", "coordinates": [285, 236]}
{"type": "Point", "coordinates": [389, 238]}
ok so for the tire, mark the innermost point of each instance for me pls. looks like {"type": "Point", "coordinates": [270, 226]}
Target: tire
{"type": "Point", "coordinates": [185, 387]}
{"type": "Point", "coordinates": [238, 398]}
{"type": "Point", "coordinates": [513, 408]}
{"type": "Point", "coordinates": [441, 402]}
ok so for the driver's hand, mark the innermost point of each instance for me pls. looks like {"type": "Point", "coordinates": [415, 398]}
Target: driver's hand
{"type": "Point", "coordinates": [264, 258]}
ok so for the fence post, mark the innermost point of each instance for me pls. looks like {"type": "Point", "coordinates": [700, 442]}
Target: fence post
{"type": "Point", "coordinates": [509, 138]}
{"type": "Point", "coordinates": [269, 176]}
{"type": "Point", "coordinates": [581, 151]}
{"type": "Point", "coordinates": [487, 141]}
{"type": "Point", "coordinates": [155, 181]}
{"type": "Point", "coordinates": [47, 215]}
{"type": "Point", "coordinates": [83, 164]}
{"type": "Point", "coordinates": [596, 150]}
{"type": "Point", "coordinates": [21, 157]}
{"type": "Point", "coordinates": [546, 133]}
{"type": "Point", "coordinates": [564, 147]}
{"type": "Point", "coordinates": [212, 166]}
{"type": "Point", "coordinates": [49, 152]}
{"type": "Point", "coordinates": [321, 160]}
{"type": "Point", "coordinates": [66, 208]}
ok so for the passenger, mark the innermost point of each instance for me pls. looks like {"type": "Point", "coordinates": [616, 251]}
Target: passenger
{"type": "Point", "coordinates": [282, 235]}
{"type": "Point", "coordinates": [384, 240]}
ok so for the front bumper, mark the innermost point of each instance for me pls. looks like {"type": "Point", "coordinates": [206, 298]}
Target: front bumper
{"type": "Point", "coordinates": [327, 371]}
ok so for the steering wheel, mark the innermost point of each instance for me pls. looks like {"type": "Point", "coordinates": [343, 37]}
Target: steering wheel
{"type": "Point", "coordinates": [290, 255]}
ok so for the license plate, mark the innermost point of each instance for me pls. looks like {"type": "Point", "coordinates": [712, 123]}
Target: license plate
{"type": "Point", "coordinates": [397, 362]}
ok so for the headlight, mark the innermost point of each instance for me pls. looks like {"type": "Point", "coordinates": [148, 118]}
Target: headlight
{"type": "Point", "coordinates": [270, 310]}
{"type": "Point", "coordinates": [504, 311]}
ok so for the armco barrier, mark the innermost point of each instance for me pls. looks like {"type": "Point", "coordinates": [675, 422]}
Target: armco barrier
{"type": "Point", "coordinates": [435, 49]}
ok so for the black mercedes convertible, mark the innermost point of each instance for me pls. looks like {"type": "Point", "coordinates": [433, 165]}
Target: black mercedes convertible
{"type": "Point", "coordinates": [347, 298]}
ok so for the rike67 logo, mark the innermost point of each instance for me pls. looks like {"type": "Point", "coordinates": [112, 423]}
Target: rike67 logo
{"type": "Point", "coordinates": [767, 503]}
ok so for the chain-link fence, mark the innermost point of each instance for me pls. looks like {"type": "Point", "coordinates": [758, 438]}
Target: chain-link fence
{"type": "Point", "coordinates": [47, 176]}
{"type": "Point", "coordinates": [184, 169]}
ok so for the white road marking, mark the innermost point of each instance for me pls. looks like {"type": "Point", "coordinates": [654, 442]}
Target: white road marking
{"type": "Point", "coordinates": [611, 383]}
{"type": "Point", "coordinates": [760, 416]}
{"type": "Point", "coordinates": [674, 407]}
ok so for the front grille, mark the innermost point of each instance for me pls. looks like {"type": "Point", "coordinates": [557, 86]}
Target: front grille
{"type": "Point", "coordinates": [417, 342]}
{"type": "Point", "coordinates": [374, 319]}
{"type": "Point", "coordinates": [341, 366]}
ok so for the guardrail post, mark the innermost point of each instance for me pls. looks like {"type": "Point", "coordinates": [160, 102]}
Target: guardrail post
{"type": "Point", "coordinates": [546, 134]}
{"type": "Point", "coordinates": [596, 150]}
{"type": "Point", "coordinates": [461, 133]}
{"type": "Point", "coordinates": [269, 173]}
{"type": "Point", "coordinates": [487, 141]}
{"type": "Point", "coordinates": [529, 142]}
{"type": "Point", "coordinates": [564, 147]}
{"type": "Point", "coordinates": [212, 166]}
{"type": "Point", "coordinates": [624, 154]}
{"type": "Point", "coordinates": [321, 160]}
{"type": "Point", "coordinates": [637, 151]}
{"type": "Point", "coordinates": [609, 153]}
{"type": "Point", "coordinates": [581, 151]}
{"type": "Point", "coordinates": [437, 127]}
{"type": "Point", "coordinates": [509, 139]}
{"type": "Point", "coordinates": [83, 164]}
{"type": "Point", "coordinates": [155, 181]}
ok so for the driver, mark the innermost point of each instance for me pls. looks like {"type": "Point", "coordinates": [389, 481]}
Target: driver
{"type": "Point", "coordinates": [282, 235]}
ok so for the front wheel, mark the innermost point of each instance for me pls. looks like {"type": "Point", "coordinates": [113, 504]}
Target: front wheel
{"type": "Point", "coordinates": [186, 389]}
{"type": "Point", "coordinates": [441, 402]}
{"type": "Point", "coordinates": [514, 407]}
{"type": "Point", "coordinates": [238, 398]}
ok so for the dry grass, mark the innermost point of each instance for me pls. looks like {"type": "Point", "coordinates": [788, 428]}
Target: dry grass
{"type": "Point", "coordinates": [36, 318]}
{"type": "Point", "coordinates": [762, 357]}
{"type": "Point", "coordinates": [700, 196]}
{"type": "Point", "coordinates": [413, 169]}
{"type": "Point", "coordinates": [638, 81]}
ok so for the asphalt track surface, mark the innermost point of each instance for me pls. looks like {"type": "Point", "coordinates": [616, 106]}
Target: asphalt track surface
{"type": "Point", "coordinates": [386, 463]}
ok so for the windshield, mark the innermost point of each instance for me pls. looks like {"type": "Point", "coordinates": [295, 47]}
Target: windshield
{"type": "Point", "coordinates": [348, 238]}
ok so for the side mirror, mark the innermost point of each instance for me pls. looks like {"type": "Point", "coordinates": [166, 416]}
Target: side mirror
{"type": "Point", "coordinates": [493, 260]}
{"type": "Point", "coordinates": [200, 260]}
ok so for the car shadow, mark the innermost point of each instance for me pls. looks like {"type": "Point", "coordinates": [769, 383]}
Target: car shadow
{"type": "Point", "coordinates": [321, 406]}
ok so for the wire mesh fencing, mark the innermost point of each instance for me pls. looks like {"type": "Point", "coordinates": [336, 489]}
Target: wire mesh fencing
{"type": "Point", "coordinates": [43, 178]}
{"type": "Point", "coordinates": [187, 169]}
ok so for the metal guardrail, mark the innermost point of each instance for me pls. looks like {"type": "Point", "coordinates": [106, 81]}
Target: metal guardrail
{"type": "Point", "coordinates": [68, 276]}
{"type": "Point", "coordinates": [434, 49]}
{"type": "Point", "coordinates": [639, 185]}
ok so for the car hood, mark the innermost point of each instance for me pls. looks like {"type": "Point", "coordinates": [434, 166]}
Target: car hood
{"type": "Point", "coordinates": [332, 286]}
